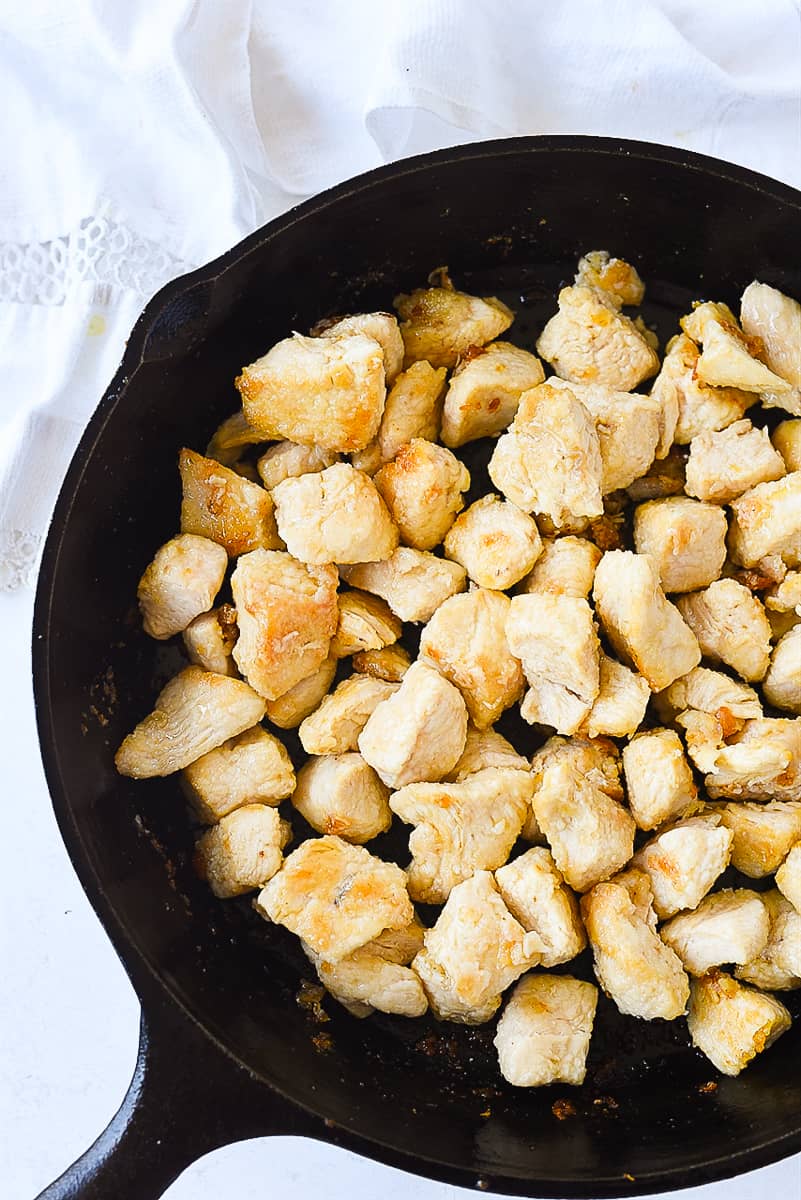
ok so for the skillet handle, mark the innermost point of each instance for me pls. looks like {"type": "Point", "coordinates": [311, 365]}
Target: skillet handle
{"type": "Point", "coordinates": [186, 1098]}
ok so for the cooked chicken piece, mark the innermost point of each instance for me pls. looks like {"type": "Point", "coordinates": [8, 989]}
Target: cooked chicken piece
{"type": "Point", "coordinates": [566, 567]}
{"type": "Point", "coordinates": [785, 596]}
{"type": "Point", "coordinates": [336, 897]}
{"type": "Point", "coordinates": [550, 460]}
{"type": "Point", "coordinates": [335, 515]}
{"type": "Point", "coordinates": [418, 734]}
{"type": "Point", "coordinates": [326, 392]}
{"type": "Point", "coordinates": [475, 950]}
{"type": "Point", "coordinates": [685, 538]}
{"type": "Point", "coordinates": [767, 520]}
{"type": "Point", "coordinates": [391, 663]}
{"type": "Point", "coordinates": [379, 325]}
{"type": "Point", "coordinates": [723, 465]}
{"type": "Point", "coordinates": [290, 709]}
{"type": "Point", "coordinates": [544, 1033]}
{"type": "Point", "coordinates": [781, 623]}
{"type": "Point", "coordinates": [645, 629]}
{"type": "Point", "coordinates": [466, 641]}
{"type": "Point", "coordinates": [731, 1023]}
{"type": "Point", "coordinates": [376, 976]}
{"type": "Point", "coordinates": [764, 834]}
{"type": "Point", "coordinates": [634, 967]}
{"type": "Point", "coordinates": [683, 861]}
{"type": "Point", "coordinates": [369, 459]}
{"type": "Point", "coordinates": [620, 705]}
{"type": "Point", "coordinates": [196, 712]}
{"type": "Point", "coordinates": [252, 768]}
{"type": "Point", "coordinates": [777, 967]}
{"type": "Point", "coordinates": [339, 793]}
{"type": "Point", "coordinates": [763, 762]}
{"type": "Point", "coordinates": [597, 760]}
{"type": "Point", "coordinates": [775, 319]}
{"type": "Point", "coordinates": [243, 851]}
{"type": "Point", "coordinates": [413, 409]}
{"type": "Point", "coordinates": [666, 477]}
{"type": "Point", "coordinates": [221, 505]}
{"type": "Point", "coordinates": [689, 406]}
{"type": "Point", "coordinates": [422, 488]}
{"type": "Point", "coordinates": [180, 583]}
{"type": "Point", "coordinates": [628, 426]}
{"type": "Point", "coordinates": [555, 639]}
{"type": "Point", "coordinates": [787, 440]}
{"type": "Point", "coordinates": [486, 748]}
{"type": "Point", "coordinates": [461, 827]}
{"type": "Point", "coordinates": [365, 623]}
{"type": "Point", "coordinates": [711, 692]}
{"type": "Point", "coordinates": [210, 639]}
{"type": "Point", "coordinates": [413, 582]}
{"type": "Point", "coordinates": [230, 438]}
{"type": "Point", "coordinates": [495, 542]}
{"type": "Point", "coordinates": [441, 324]}
{"type": "Point", "coordinates": [729, 357]}
{"type": "Point", "coordinates": [704, 735]}
{"type": "Point", "coordinates": [335, 726]}
{"type": "Point", "coordinates": [288, 460]}
{"type": "Point", "coordinates": [782, 686]}
{"type": "Point", "coordinates": [536, 895]}
{"type": "Point", "coordinates": [788, 877]}
{"type": "Point", "coordinates": [485, 390]}
{"type": "Point", "coordinates": [589, 341]}
{"type": "Point", "coordinates": [659, 781]}
{"type": "Point", "coordinates": [731, 626]}
{"type": "Point", "coordinates": [287, 614]}
{"type": "Point", "coordinates": [616, 278]}
{"type": "Point", "coordinates": [591, 836]}
{"type": "Point", "coordinates": [731, 926]}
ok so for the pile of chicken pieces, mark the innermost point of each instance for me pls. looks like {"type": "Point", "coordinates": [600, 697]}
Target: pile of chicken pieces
{"type": "Point", "coordinates": [640, 666]}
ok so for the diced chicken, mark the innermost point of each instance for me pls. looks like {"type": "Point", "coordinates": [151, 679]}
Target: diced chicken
{"type": "Point", "coordinates": [550, 460]}
{"type": "Point", "coordinates": [714, 693]}
{"type": "Point", "coordinates": [729, 357]}
{"type": "Point", "coordinates": [340, 794]}
{"type": "Point", "coordinates": [485, 390]}
{"type": "Point", "coordinates": [243, 851]}
{"type": "Point", "coordinates": [418, 734]}
{"type": "Point", "coordinates": [379, 325]}
{"type": "Point", "coordinates": [788, 877]}
{"type": "Point", "coordinates": [731, 1023]}
{"type": "Point", "coordinates": [763, 762]}
{"type": "Point", "coordinates": [290, 709]}
{"type": "Point", "coordinates": [196, 712]}
{"type": "Point", "coordinates": [619, 707]}
{"type": "Point", "coordinates": [486, 748]}
{"type": "Point", "coordinates": [441, 324]}
{"type": "Point", "coordinates": [287, 614]}
{"type": "Point", "coordinates": [590, 341]}
{"type": "Point", "coordinates": [180, 583]}
{"type": "Point", "coordinates": [473, 953]}
{"type": "Point", "coordinates": [628, 426]}
{"type": "Point", "coordinates": [666, 477]}
{"type": "Point", "coordinates": [777, 967]}
{"type": "Point", "coordinates": [365, 623]}
{"type": "Point", "coordinates": [785, 596]}
{"type": "Point", "coordinates": [683, 861]}
{"type": "Point", "coordinates": [422, 488]}
{"type": "Point", "coordinates": [782, 686]}
{"type": "Point", "coordinates": [659, 781]}
{"type": "Point", "coordinates": [230, 438]}
{"type": "Point", "coordinates": [335, 726]}
{"type": "Point", "coordinates": [413, 408]}
{"type": "Point", "coordinates": [781, 623]}
{"type": "Point", "coordinates": [643, 626]}
{"type": "Point", "coordinates": [466, 641]}
{"type": "Point", "coordinates": [326, 392]}
{"type": "Point", "coordinates": [787, 440]}
{"type": "Point", "coordinates": [369, 459]}
{"type": "Point", "coordinates": [252, 768]}
{"type": "Point", "coordinates": [731, 926]}
{"type": "Point", "coordinates": [775, 319]}
{"type": "Point", "coordinates": [690, 407]}
{"type": "Point", "coordinates": [685, 538]}
{"type": "Point", "coordinates": [221, 505]}
{"type": "Point", "coordinates": [391, 663]}
{"type": "Point", "coordinates": [413, 582]}
{"type": "Point", "coordinates": [335, 515]}
{"type": "Point", "coordinates": [544, 1033]}
{"type": "Point", "coordinates": [724, 464]}
{"type": "Point", "coordinates": [461, 827]}
{"type": "Point", "coordinates": [376, 976]}
{"type": "Point", "coordinates": [555, 639]}
{"type": "Point", "coordinates": [591, 836]}
{"type": "Point", "coordinates": [210, 639]}
{"type": "Point", "coordinates": [730, 625]}
{"type": "Point", "coordinates": [704, 735]}
{"type": "Point", "coordinates": [288, 460]}
{"type": "Point", "coordinates": [767, 520]}
{"type": "Point", "coordinates": [641, 974]}
{"type": "Point", "coordinates": [495, 542]}
{"type": "Point", "coordinates": [597, 760]}
{"type": "Point", "coordinates": [764, 834]}
{"type": "Point", "coordinates": [566, 567]}
{"type": "Point", "coordinates": [536, 895]}
{"type": "Point", "coordinates": [617, 279]}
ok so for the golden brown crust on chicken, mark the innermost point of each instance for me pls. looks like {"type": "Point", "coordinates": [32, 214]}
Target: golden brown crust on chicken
{"type": "Point", "coordinates": [335, 726]}
{"type": "Point", "coordinates": [413, 582]}
{"type": "Point", "coordinates": [786, 438]}
{"type": "Point", "coordinates": [763, 834]}
{"type": "Point", "coordinates": [391, 663]}
{"type": "Point", "coordinates": [422, 488]}
{"type": "Point", "coordinates": [222, 505]}
{"type": "Point", "coordinates": [243, 851]}
{"type": "Point", "coordinates": [230, 438]}
{"type": "Point", "coordinates": [590, 341]}
{"type": "Point", "coordinates": [441, 324]}
{"type": "Point", "coordinates": [615, 277]}
{"type": "Point", "coordinates": [731, 1023]}
{"type": "Point", "coordinates": [544, 1033]}
{"type": "Point", "coordinates": [495, 542]}
{"type": "Point", "coordinates": [685, 538]}
{"type": "Point", "coordinates": [659, 781]}
{"type": "Point", "coordinates": [251, 768]}
{"type": "Point", "coordinates": [730, 625]}
{"type": "Point", "coordinates": [365, 623]}
{"type": "Point", "coordinates": [209, 640]}
{"type": "Point", "coordinates": [180, 584]}
{"type": "Point", "coordinates": [341, 794]}
{"type": "Point", "coordinates": [536, 895]}
{"type": "Point", "coordinates": [485, 390]}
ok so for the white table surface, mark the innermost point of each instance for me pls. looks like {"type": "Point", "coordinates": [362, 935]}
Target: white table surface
{"type": "Point", "coordinates": [69, 1018]}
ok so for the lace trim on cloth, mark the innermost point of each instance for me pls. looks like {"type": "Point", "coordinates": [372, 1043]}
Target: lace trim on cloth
{"type": "Point", "coordinates": [19, 558]}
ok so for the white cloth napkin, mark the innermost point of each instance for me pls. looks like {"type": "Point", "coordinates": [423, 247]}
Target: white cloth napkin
{"type": "Point", "coordinates": [142, 138]}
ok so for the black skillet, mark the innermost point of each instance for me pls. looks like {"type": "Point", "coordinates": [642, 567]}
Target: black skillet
{"type": "Point", "coordinates": [227, 1050]}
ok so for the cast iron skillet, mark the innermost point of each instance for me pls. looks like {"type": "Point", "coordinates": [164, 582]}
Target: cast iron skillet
{"type": "Point", "coordinates": [227, 1050]}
